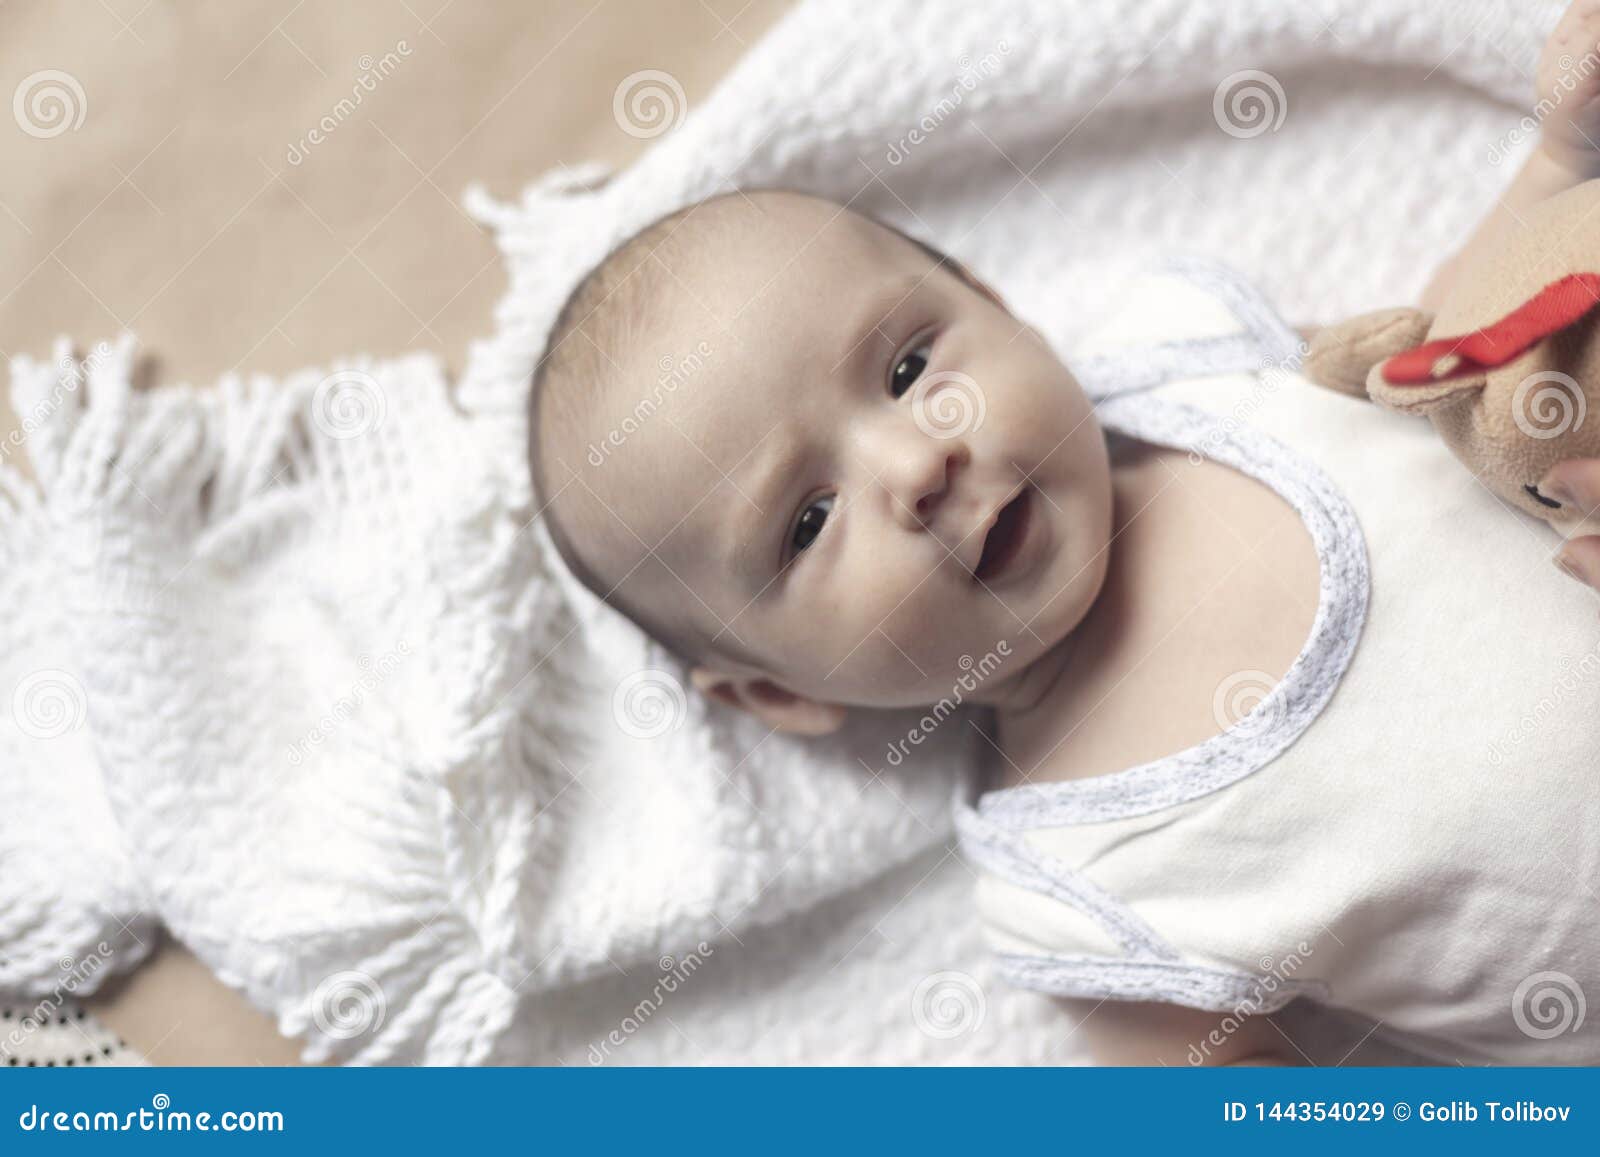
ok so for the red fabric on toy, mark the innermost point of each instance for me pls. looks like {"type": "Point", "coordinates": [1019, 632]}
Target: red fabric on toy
{"type": "Point", "coordinates": [1552, 309]}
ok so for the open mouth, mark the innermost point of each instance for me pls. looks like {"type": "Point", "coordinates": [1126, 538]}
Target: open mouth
{"type": "Point", "coordinates": [1005, 538]}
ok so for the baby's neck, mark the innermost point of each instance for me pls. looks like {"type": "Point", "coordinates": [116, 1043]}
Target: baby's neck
{"type": "Point", "coordinates": [1210, 576]}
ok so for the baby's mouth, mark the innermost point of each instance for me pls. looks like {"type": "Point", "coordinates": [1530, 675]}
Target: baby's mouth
{"type": "Point", "coordinates": [1005, 538]}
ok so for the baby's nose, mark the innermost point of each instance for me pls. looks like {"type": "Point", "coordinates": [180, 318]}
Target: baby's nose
{"type": "Point", "coordinates": [920, 476]}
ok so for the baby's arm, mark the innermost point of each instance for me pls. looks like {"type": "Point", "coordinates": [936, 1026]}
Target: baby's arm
{"type": "Point", "coordinates": [1132, 1033]}
{"type": "Point", "coordinates": [1567, 105]}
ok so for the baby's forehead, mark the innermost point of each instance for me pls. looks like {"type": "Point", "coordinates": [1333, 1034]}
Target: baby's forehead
{"type": "Point", "coordinates": [779, 255]}
{"type": "Point", "coordinates": [751, 299]}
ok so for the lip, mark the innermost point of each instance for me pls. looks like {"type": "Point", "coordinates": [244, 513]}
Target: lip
{"type": "Point", "coordinates": [1010, 535]}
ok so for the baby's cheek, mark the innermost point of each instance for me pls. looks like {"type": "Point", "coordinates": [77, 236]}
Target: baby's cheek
{"type": "Point", "coordinates": [928, 635]}
{"type": "Point", "coordinates": [864, 647]}
{"type": "Point", "coordinates": [818, 639]}
{"type": "Point", "coordinates": [880, 672]}
{"type": "Point", "coordinates": [1041, 403]}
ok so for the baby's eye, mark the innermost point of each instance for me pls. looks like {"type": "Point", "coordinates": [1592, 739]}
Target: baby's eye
{"type": "Point", "coordinates": [909, 368]}
{"type": "Point", "coordinates": [809, 524]}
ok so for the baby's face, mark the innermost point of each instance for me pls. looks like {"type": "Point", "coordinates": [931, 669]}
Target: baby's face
{"type": "Point", "coordinates": [870, 476]}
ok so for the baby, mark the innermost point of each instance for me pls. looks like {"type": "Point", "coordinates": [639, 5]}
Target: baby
{"type": "Point", "coordinates": [807, 523]}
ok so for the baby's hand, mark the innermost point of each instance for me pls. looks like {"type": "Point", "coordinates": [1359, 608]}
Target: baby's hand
{"type": "Point", "coordinates": [1576, 483]}
{"type": "Point", "coordinates": [1567, 90]}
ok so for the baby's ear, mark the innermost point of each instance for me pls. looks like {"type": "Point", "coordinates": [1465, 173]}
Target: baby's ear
{"type": "Point", "coordinates": [775, 706]}
{"type": "Point", "coordinates": [1342, 356]}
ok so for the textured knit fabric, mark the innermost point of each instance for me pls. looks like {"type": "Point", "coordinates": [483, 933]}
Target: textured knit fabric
{"type": "Point", "coordinates": [340, 719]}
{"type": "Point", "coordinates": [1404, 825]}
{"type": "Point", "coordinates": [306, 690]}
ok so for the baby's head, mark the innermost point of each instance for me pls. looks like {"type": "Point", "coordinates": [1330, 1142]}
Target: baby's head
{"type": "Point", "coordinates": [821, 463]}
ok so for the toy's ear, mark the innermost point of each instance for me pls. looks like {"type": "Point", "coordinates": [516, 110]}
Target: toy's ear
{"type": "Point", "coordinates": [1341, 357]}
{"type": "Point", "coordinates": [1424, 376]}
{"type": "Point", "coordinates": [1420, 397]}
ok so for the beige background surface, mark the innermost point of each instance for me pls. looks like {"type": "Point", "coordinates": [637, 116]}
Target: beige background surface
{"type": "Point", "coordinates": [175, 208]}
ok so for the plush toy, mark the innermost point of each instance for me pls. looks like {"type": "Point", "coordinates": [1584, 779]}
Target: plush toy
{"type": "Point", "coordinates": [1508, 370]}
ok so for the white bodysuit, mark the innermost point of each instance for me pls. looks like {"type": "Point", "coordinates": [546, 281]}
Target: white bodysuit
{"type": "Point", "coordinates": [1408, 825]}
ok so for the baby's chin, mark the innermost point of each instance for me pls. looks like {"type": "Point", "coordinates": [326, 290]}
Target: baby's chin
{"type": "Point", "coordinates": [1065, 611]}
{"type": "Point", "coordinates": [997, 641]}
{"type": "Point", "coordinates": [1067, 593]}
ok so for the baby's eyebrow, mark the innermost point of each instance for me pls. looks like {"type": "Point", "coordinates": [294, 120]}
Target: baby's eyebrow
{"type": "Point", "coordinates": [760, 494]}
{"type": "Point", "coordinates": [867, 321]}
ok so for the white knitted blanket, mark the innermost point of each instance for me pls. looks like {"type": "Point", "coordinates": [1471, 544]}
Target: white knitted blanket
{"type": "Point", "coordinates": [289, 667]}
